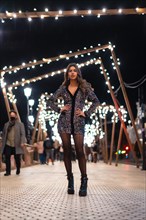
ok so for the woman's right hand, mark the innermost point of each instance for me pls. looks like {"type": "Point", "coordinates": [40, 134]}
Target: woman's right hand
{"type": "Point", "coordinates": [65, 108]}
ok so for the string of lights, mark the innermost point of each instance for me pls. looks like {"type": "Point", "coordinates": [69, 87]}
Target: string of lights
{"type": "Point", "coordinates": [85, 51]}
{"type": "Point", "coordinates": [14, 69]}
{"type": "Point", "coordinates": [88, 129]}
{"type": "Point", "coordinates": [34, 79]}
{"type": "Point", "coordinates": [60, 13]}
{"type": "Point", "coordinates": [92, 61]}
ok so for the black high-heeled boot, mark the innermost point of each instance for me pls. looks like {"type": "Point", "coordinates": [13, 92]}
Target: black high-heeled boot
{"type": "Point", "coordinates": [70, 189]}
{"type": "Point", "coordinates": [83, 187]}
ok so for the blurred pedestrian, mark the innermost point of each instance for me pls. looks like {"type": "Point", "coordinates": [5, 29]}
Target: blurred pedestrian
{"type": "Point", "coordinates": [49, 149]}
{"type": "Point", "coordinates": [13, 141]}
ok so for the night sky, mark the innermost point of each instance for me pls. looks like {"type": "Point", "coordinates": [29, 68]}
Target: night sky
{"type": "Point", "coordinates": [23, 41]}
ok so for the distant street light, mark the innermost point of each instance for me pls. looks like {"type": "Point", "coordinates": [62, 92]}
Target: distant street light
{"type": "Point", "coordinates": [31, 119]}
{"type": "Point", "coordinates": [27, 92]}
{"type": "Point", "coordinates": [31, 104]}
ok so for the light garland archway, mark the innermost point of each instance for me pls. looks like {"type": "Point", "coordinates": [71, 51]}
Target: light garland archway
{"type": "Point", "coordinates": [103, 71]}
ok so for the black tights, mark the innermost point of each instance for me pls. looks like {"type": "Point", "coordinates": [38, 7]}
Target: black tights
{"type": "Point", "coordinates": [78, 140]}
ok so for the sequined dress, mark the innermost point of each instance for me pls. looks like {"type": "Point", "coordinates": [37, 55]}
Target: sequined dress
{"type": "Point", "coordinates": [68, 121]}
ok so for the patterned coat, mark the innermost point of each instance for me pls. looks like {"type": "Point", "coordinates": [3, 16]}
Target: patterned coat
{"type": "Point", "coordinates": [18, 139]}
{"type": "Point", "coordinates": [69, 122]}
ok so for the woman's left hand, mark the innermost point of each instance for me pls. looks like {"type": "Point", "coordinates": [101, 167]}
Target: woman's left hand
{"type": "Point", "coordinates": [79, 112]}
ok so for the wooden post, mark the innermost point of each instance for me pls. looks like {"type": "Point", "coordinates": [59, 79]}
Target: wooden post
{"type": "Point", "coordinates": [119, 113]}
{"type": "Point", "coordinates": [41, 134]}
{"type": "Point", "coordinates": [106, 141]}
{"type": "Point", "coordinates": [102, 142]}
{"type": "Point", "coordinates": [103, 149]}
{"type": "Point", "coordinates": [6, 100]}
{"type": "Point", "coordinates": [38, 134]}
{"type": "Point", "coordinates": [15, 106]}
{"type": "Point", "coordinates": [119, 143]}
{"type": "Point", "coordinates": [126, 100]}
{"type": "Point", "coordinates": [36, 125]}
{"type": "Point", "coordinates": [112, 141]}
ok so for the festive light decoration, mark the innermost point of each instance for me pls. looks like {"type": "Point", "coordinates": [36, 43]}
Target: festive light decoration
{"type": "Point", "coordinates": [95, 61]}
{"type": "Point", "coordinates": [34, 63]}
{"type": "Point", "coordinates": [34, 79]}
{"type": "Point", "coordinates": [11, 97]}
{"type": "Point", "coordinates": [106, 76]}
{"type": "Point", "coordinates": [102, 114]}
{"type": "Point", "coordinates": [60, 13]}
{"type": "Point", "coordinates": [56, 14]}
{"type": "Point", "coordinates": [85, 51]}
{"type": "Point", "coordinates": [2, 83]}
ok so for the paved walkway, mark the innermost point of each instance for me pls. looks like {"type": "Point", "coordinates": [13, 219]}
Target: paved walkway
{"type": "Point", "coordinates": [39, 193]}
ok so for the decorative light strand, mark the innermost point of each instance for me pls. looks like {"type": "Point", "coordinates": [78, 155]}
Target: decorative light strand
{"type": "Point", "coordinates": [57, 58]}
{"type": "Point", "coordinates": [2, 82]}
{"type": "Point", "coordinates": [47, 13]}
{"type": "Point", "coordinates": [34, 79]}
{"type": "Point", "coordinates": [53, 73]}
{"type": "Point", "coordinates": [11, 97]}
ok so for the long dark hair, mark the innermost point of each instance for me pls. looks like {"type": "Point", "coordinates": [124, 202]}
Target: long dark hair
{"type": "Point", "coordinates": [83, 84]}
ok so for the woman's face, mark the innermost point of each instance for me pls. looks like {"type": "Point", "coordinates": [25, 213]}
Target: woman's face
{"type": "Point", "coordinates": [72, 73]}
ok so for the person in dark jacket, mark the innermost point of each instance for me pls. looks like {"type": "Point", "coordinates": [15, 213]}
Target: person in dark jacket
{"type": "Point", "coordinates": [74, 91]}
{"type": "Point", "coordinates": [13, 140]}
{"type": "Point", "coordinates": [49, 149]}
